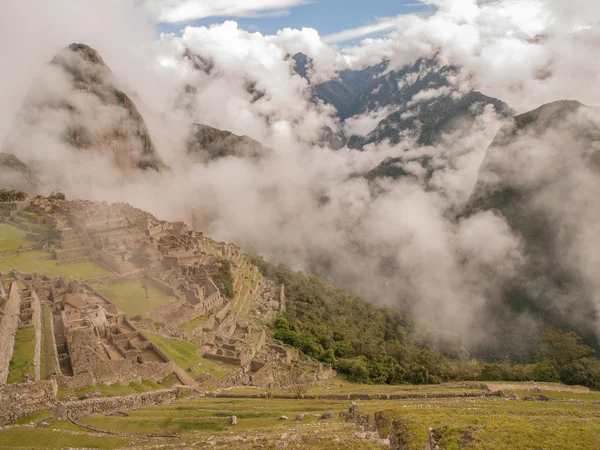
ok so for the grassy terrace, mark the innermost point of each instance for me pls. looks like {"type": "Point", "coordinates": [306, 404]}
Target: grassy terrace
{"type": "Point", "coordinates": [461, 423]}
{"type": "Point", "coordinates": [22, 360]}
{"type": "Point", "coordinates": [47, 358]}
{"type": "Point", "coordinates": [34, 261]}
{"type": "Point", "coordinates": [193, 324]}
{"type": "Point", "coordinates": [11, 238]}
{"type": "Point", "coordinates": [131, 298]}
{"type": "Point", "coordinates": [183, 353]}
{"type": "Point", "coordinates": [49, 438]}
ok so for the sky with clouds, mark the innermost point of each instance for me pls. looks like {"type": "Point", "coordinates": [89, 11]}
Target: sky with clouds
{"type": "Point", "coordinates": [329, 17]}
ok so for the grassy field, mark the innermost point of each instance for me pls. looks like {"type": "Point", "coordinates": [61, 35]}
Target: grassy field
{"type": "Point", "coordinates": [131, 298]}
{"type": "Point", "coordinates": [44, 438]}
{"type": "Point", "coordinates": [33, 261]}
{"type": "Point", "coordinates": [11, 238]}
{"type": "Point", "coordinates": [22, 360]}
{"type": "Point", "coordinates": [498, 424]}
{"type": "Point", "coordinates": [183, 353]}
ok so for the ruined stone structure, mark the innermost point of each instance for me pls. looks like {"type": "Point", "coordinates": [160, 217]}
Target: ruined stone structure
{"type": "Point", "coordinates": [94, 342]}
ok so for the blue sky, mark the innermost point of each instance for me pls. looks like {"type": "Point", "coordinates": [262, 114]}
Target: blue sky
{"type": "Point", "coordinates": [326, 16]}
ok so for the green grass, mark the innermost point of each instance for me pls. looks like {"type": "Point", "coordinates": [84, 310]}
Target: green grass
{"type": "Point", "coordinates": [499, 424]}
{"type": "Point", "coordinates": [118, 389]}
{"type": "Point", "coordinates": [44, 438]}
{"type": "Point", "coordinates": [34, 417]}
{"type": "Point", "coordinates": [183, 353]}
{"type": "Point", "coordinates": [47, 357]}
{"type": "Point", "coordinates": [30, 262]}
{"type": "Point", "coordinates": [22, 360]}
{"type": "Point", "coordinates": [11, 238]}
{"type": "Point", "coordinates": [193, 324]}
{"type": "Point", "coordinates": [131, 298]}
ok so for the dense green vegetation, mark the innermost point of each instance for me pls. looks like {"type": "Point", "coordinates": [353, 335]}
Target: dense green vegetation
{"type": "Point", "coordinates": [373, 345]}
{"type": "Point", "coordinates": [10, 195]}
{"type": "Point", "coordinates": [223, 279]}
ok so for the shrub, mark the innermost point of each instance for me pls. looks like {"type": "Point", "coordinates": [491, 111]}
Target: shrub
{"type": "Point", "coordinates": [574, 373]}
{"type": "Point", "coordinates": [491, 372]}
{"type": "Point", "coordinates": [545, 371]}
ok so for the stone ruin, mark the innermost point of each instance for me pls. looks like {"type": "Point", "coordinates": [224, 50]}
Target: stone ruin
{"type": "Point", "coordinates": [95, 342]}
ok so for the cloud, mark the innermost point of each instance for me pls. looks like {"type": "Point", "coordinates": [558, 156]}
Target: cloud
{"type": "Point", "coordinates": [173, 11]}
{"type": "Point", "coordinates": [381, 25]}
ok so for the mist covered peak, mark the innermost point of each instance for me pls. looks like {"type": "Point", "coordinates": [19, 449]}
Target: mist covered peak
{"type": "Point", "coordinates": [79, 106]}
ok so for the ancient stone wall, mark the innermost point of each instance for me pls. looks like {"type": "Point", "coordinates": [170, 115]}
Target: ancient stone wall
{"type": "Point", "coordinates": [227, 359]}
{"type": "Point", "coordinates": [125, 403]}
{"type": "Point", "coordinates": [264, 377]}
{"type": "Point", "coordinates": [36, 320]}
{"type": "Point", "coordinates": [11, 209]}
{"type": "Point", "coordinates": [77, 382]}
{"type": "Point", "coordinates": [162, 286]}
{"type": "Point", "coordinates": [73, 253]}
{"type": "Point", "coordinates": [112, 263]}
{"type": "Point", "coordinates": [8, 327]}
{"type": "Point", "coordinates": [17, 400]}
{"type": "Point", "coordinates": [118, 371]}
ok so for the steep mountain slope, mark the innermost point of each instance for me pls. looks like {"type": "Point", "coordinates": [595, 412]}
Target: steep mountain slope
{"type": "Point", "coordinates": [542, 174]}
{"type": "Point", "coordinates": [207, 143]}
{"type": "Point", "coordinates": [15, 174]}
{"type": "Point", "coordinates": [78, 102]}
{"type": "Point", "coordinates": [422, 99]}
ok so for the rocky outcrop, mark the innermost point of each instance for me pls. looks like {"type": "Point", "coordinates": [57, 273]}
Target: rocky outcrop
{"type": "Point", "coordinates": [207, 143]}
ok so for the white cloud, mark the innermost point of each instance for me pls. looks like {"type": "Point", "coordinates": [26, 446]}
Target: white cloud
{"type": "Point", "coordinates": [186, 10]}
{"type": "Point", "coordinates": [381, 25]}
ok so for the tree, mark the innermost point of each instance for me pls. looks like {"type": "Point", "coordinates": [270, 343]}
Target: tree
{"type": "Point", "coordinates": [141, 259]}
{"type": "Point", "coordinates": [563, 347]}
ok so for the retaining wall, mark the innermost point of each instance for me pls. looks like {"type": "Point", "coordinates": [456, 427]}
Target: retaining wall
{"type": "Point", "coordinates": [17, 400]}
{"type": "Point", "coordinates": [112, 404]}
{"type": "Point", "coordinates": [8, 327]}
{"type": "Point", "coordinates": [118, 371]}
